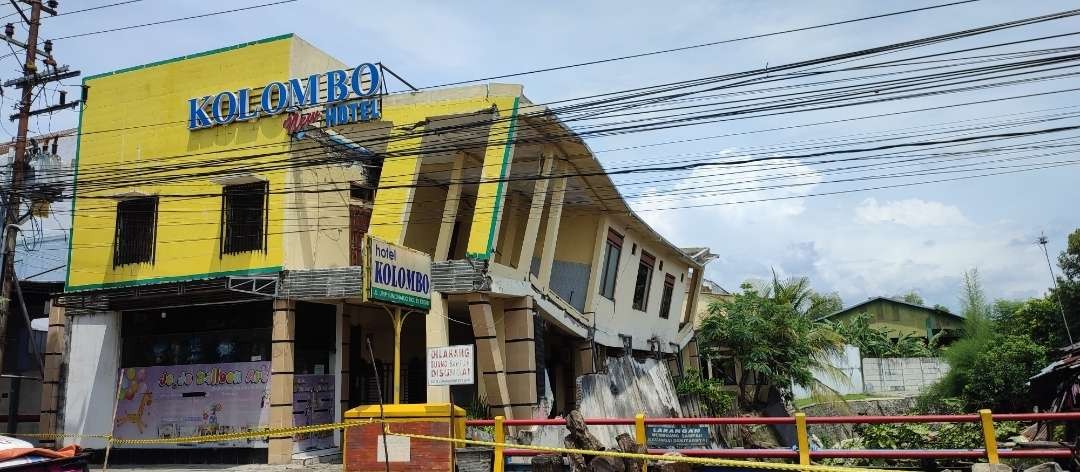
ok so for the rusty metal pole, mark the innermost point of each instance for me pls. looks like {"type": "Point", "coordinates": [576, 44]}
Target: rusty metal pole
{"type": "Point", "coordinates": [18, 170]}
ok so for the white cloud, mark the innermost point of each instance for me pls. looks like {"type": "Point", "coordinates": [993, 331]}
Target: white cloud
{"type": "Point", "coordinates": [913, 212]}
{"type": "Point", "coordinates": [710, 194]}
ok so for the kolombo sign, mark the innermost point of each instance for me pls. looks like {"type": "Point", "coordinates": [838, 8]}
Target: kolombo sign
{"type": "Point", "coordinates": [397, 275]}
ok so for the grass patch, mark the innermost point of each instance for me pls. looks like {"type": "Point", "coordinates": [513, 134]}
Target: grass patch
{"type": "Point", "coordinates": [805, 402]}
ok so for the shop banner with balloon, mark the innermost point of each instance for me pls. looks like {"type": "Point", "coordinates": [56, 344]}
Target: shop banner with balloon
{"type": "Point", "coordinates": [193, 400]}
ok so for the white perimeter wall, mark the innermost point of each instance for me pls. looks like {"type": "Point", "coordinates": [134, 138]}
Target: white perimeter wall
{"type": "Point", "coordinates": [902, 375]}
{"type": "Point", "coordinates": [848, 363]}
{"type": "Point", "coordinates": [880, 376]}
{"type": "Point", "coordinates": [91, 381]}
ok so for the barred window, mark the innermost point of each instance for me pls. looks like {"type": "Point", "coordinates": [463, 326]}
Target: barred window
{"type": "Point", "coordinates": [136, 221]}
{"type": "Point", "coordinates": [243, 218]}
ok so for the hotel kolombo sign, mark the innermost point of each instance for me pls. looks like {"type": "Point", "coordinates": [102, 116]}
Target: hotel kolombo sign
{"type": "Point", "coordinates": [359, 87]}
{"type": "Point", "coordinates": [397, 275]}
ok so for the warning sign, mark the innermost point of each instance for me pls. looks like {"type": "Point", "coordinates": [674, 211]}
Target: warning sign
{"type": "Point", "coordinates": [450, 365]}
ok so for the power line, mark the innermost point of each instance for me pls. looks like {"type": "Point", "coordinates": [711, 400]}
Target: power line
{"type": "Point", "coordinates": [112, 174]}
{"type": "Point", "coordinates": [173, 20]}
{"type": "Point", "coordinates": [696, 46]}
{"type": "Point", "coordinates": [99, 7]}
{"type": "Point", "coordinates": [1006, 170]}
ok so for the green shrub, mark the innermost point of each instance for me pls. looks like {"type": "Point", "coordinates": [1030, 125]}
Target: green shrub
{"type": "Point", "coordinates": [998, 375]}
{"type": "Point", "coordinates": [478, 409]}
{"type": "Point", "coordinates": [711, 392]}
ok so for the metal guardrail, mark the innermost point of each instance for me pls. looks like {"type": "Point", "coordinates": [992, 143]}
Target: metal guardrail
{"type": "Point", "coordinates": [803, 452]}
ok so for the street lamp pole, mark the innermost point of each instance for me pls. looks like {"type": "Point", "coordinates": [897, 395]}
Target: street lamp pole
{"type": "Point", "coordinates": [1042, 242]}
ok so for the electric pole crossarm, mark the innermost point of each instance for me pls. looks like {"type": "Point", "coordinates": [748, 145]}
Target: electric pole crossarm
{"type": "Point", "coordinates": [60, 73]}
{"type": "Point", "coordinates": [14, 42]}
{"type": "Point", "coordinates": [54, 108]}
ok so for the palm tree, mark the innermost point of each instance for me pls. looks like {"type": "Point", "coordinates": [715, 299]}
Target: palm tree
{"type": "Point", "coordinates": [774, 333]}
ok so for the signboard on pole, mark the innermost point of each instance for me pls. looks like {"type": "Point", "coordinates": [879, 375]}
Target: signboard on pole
{"type": "Point", "coordinates": [677, 436]}
{"type": "Point", "coordinates": [451, 365]}
{"type": "Point", "coordinates": [397, 275]}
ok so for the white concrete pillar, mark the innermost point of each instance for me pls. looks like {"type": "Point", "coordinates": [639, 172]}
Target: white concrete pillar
{"type": "Point", "coordinates": [520, 355]}
{"type": "Point", "coordinates": [90, 387]}
{"type": "Point", "coordinates": [551, 233]}
{"type": "Point", "coordinates": [282, 339]}
{"type": "Point", "coordinates": [438, 335]}
{"type": "Point", "coordinates": [489, 357]}
{"type": "Point", "coordinates": [536, 213]}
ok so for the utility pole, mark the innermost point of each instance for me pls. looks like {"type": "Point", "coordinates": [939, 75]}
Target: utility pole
{"type": "Point", "coordinates": [28, 82]}
{"type": "Point", "coordinates": [1042, 242]}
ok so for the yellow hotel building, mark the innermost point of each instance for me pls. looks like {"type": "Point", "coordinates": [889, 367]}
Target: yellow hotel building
{"type": "Point", "coordinates": [216, 269]}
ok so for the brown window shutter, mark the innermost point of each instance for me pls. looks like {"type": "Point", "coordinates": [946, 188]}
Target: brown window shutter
{"type": "Point", "coordinates": [359, 220]}
{"type": "Point", "coordinates": [648, 258]}
{"type": "Point", "coordinates": [615, 238]}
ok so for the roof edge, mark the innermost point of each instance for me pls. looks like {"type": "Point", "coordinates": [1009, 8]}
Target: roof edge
{"type": "Point", "coordinates": [893, 300]}
{"type": "Point", "coordinates": [189, 56]}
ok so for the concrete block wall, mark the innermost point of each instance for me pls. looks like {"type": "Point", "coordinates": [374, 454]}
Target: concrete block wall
{"type": "Point", "coordinates": [901, 375]}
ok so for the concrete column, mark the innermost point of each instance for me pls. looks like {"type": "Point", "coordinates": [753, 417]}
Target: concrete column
{"type": "Point", "coordinates": [583, 359]}
{"type": "Point", "coordinates": [393, 201]}
{"type": "Point", "coordinates": [536, 213]}
{"type": "Point", "coordinates": [491, 193]}
{"type": "Point", "coordinates": [521, 355]}
{"type": "Point", "coordinates": [450, 210]}
{"type": "Point", "coordinates": [489, 357]}
{"type": "Point", "coordinates": [55, 344]}
{"type": "Point", "coordinates": [595, 268]}
{"type": "Point", "coordinates": [692, 296]}
{"type": "Point", "coordinates": [438, 335]}
{"type": "Point", "coordinates": [437, 321]}
{"type": "Point", "coordinates": [283, 336]}
{"type": "Point", "coordinates": [551, 233]}
{"type": "Point", "coordinates": [93, 362]}
{"type": "Point", "coordinates": [344, 352]}
{"type": "Point", "coordinates": [691, 359]}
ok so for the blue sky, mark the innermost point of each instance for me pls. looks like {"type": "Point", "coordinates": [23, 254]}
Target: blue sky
{"type": "Point", "coordinates": [859, 244]}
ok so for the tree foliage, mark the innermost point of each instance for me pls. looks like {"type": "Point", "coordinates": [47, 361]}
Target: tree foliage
{"type": "Point", "coordinates": [989, 366]}
{"type": "Point", "coordinates": [1038, 318]}
{"type": "Point", "coordinates": [998, 377]}
{"type": "Point", "coordinates": [876, 342]}
{"type": "Point", "coordinates": [978, 334]}
{"type": "Point", "coordinates": [773, 335]}
{"type": "Point", "coordinates": [1068, 286]}
{"type": "Point", "coordinates": [911, 297]}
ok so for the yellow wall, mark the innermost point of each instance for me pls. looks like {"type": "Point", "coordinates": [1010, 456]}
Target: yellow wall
{"type": "Point", "coordinates": [577, 230]}
{"type": "Point", "coordinates": [704, 300]}
{"type": "Point", "coordinates": [135, 118]}
{"type": "Point", "coordinates": [900, 319]}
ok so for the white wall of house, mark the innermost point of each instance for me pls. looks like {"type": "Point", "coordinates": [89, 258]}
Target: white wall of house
{"type": "Point", "coordinates": [93, 363]}
{"type": "Point", "coordinates": [617, 316]}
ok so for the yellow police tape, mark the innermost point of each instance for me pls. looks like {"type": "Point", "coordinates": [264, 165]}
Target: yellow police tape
{"type": "Point", "coordinates": [260, 433]}
{"type": "Point", "coordinates": [272, 432]}
{"type": "Point", "coordinates": [650, 457]}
